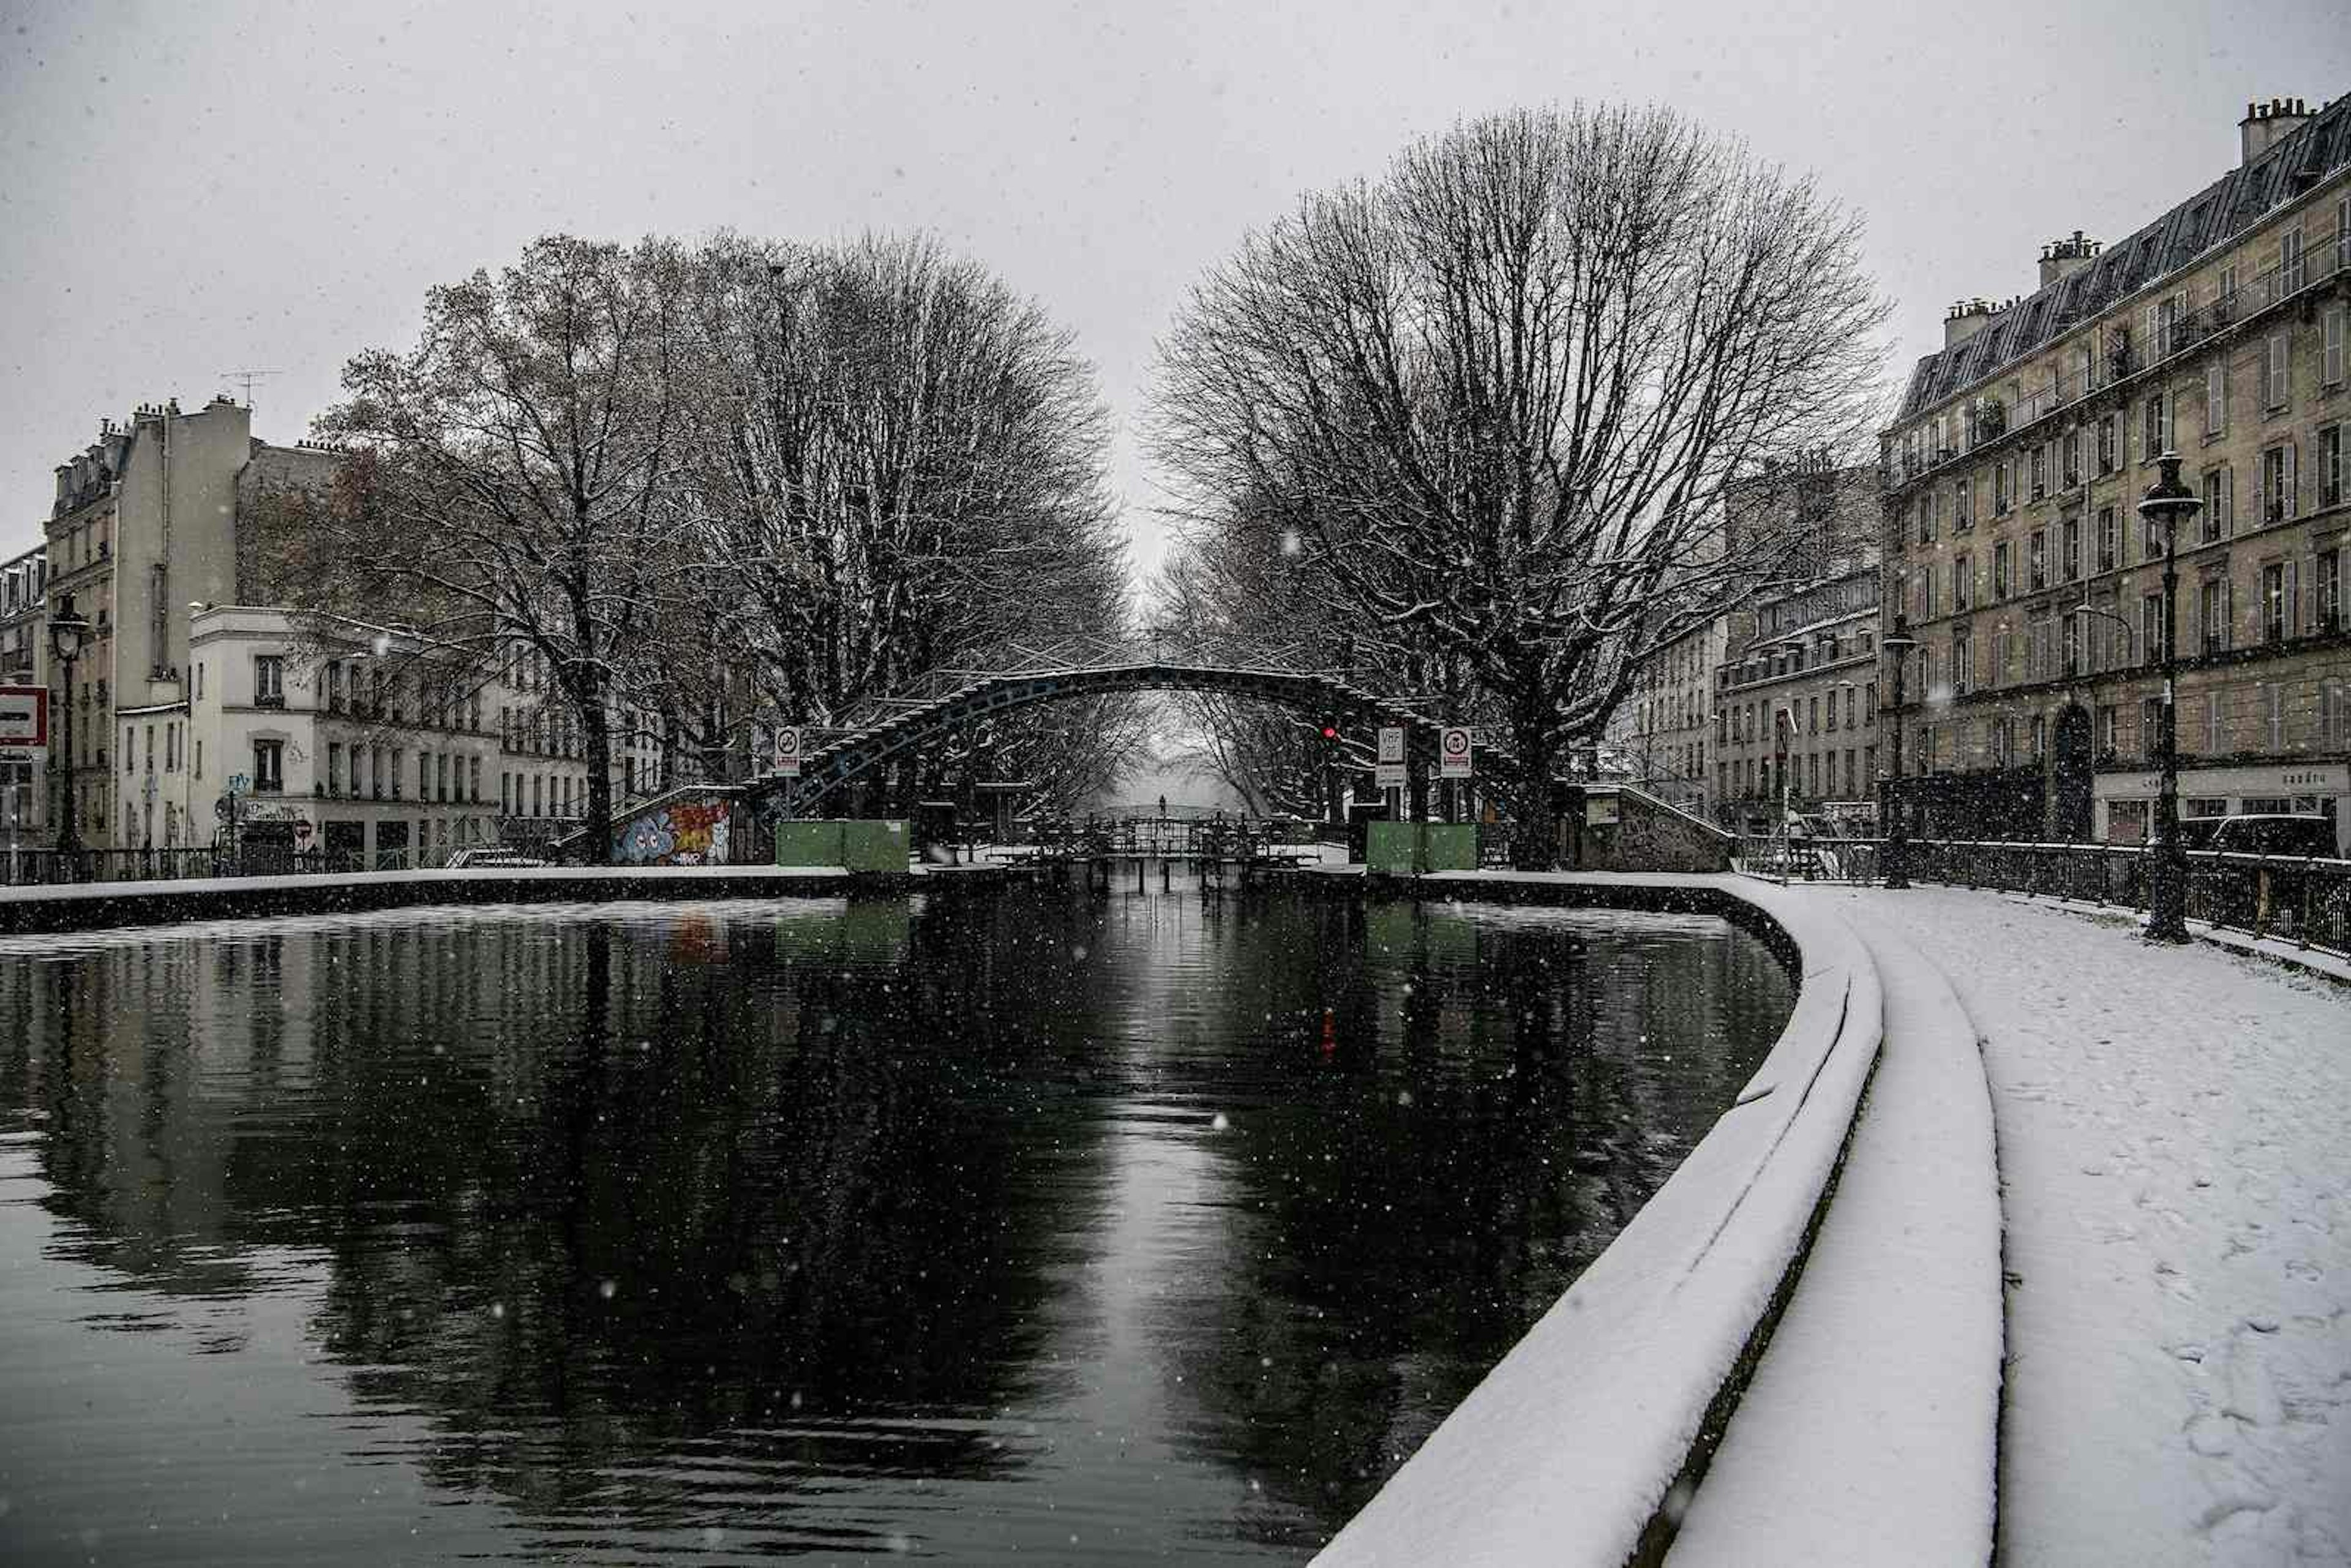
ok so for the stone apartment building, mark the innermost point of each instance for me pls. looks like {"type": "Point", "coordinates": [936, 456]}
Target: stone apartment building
{"type": "Point", "coordinates": [1803, 647]}
{"type": "Point", "coordinates": [142, 525]}
{"type": "Point", "coordinates": [2016, 554]}
{"type": "Point", "coordinates": [24, 661]}
{"type": "Point", "coordinates": [184, 688]}
{"type": "Point", "coordinates": [1660, 737]}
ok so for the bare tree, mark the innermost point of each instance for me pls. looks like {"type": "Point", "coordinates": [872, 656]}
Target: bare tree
{"type": "Point", "coordinates": [506, 482]}
{"type": "Point", "coordinates": [900, 466]}
{"type": "Point", "coordinates": [1499, 394]}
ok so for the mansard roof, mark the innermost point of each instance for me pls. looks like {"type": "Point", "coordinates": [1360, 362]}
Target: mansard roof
{"type": "Point", "coordinates": [2222, 211]}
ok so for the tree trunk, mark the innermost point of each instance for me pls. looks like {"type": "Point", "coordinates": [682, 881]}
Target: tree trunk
{"type": "Point", "coordinates": [596, 723]}
{"type": "Point", "coordinates": [1534, 824]}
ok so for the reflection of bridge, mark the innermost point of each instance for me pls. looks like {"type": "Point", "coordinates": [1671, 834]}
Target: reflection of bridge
{"type": "Point", "coordinates": [904, 724]}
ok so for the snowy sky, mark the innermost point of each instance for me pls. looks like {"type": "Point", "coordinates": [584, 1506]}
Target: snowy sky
{"type": "Point", "coordinates": [187, 190]}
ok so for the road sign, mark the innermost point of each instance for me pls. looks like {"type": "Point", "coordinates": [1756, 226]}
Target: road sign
{"type": "Point", "coordinates": [788, 753]}
{"type": "Point", "coordinates": [24, 717]}
{"type": "Point", "coordinates": [1392, 743]}
{"type": "Point", "coordinates": [1453, 752]}
{"type": "Point", "coordinates": [1390, 776]}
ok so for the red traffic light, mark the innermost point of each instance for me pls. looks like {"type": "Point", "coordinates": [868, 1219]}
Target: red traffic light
{"type": "Point", "coordinates": [1330, 732]}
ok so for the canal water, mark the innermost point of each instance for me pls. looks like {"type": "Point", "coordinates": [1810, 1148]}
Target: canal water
{"type": "Point", "coordinates": [1036, 1228]}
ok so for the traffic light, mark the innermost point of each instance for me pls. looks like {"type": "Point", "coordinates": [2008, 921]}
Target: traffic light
{"type": "Point", "coordinates": [1330, 728]}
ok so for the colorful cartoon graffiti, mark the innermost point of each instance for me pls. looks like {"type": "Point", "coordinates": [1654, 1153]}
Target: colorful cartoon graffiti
{"type": "Point", "coordinates": [684, 832]}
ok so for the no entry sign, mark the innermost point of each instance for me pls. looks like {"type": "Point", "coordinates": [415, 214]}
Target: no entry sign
{"type": "Point", "coordinates": [788, 753]}
{"type": "Point", "coordinates": [1453, 753]}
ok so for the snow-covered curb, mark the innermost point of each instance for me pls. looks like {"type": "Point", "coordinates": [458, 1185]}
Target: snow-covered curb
{"type": "Point", "coordinates": [104, 904]}
{"type": "Point", "coordinates": [1567, 1451]}
{"type": "Point", "coordinates": [1877, 1404]}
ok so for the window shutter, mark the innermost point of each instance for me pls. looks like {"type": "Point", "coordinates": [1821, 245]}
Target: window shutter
{"type": "Point", "coordinates": [2227, 498]}
{"type": "Point", "coordinates": [2330, 370]}
{"type": "Point", "coordinates": [2292, 481]}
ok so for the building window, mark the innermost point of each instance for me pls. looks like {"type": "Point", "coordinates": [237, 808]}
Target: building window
{"type": "Point", "coordinates": [2039, 465]}
{"type": "Point", "coordinates": [2212, 614]}
{"type": "Point", "coordinates": [1962, 581]}
{"type": "Point", "coordinates": [2069, 551]}
{"type": "Point", "coordinates": [2276, 372]}
{"type": "Point", "coordinates": [1963, 505]}
{"type": "Point", "coordinates": [2216, 397]}
{"type": "Point", "coordinates": [2107, 443]}
{"type": "Point", "coordinates": [2329, 589]}
{"type": "Point", "coordinates": [2000, 499]}
{"type": "Point", "coordinates": [2155, 428]}
{"type": "Point", "coordinates": [2037, 562]}
{"type": "Point", "coordinates": [2290, 269]}
{"type": "Point", "coordinates": [1927, 518]}
{"type": "Point", "coordinates": [268, 767]}
{"type": "Point", "coordinates": [2273, 603]}
{"type": "Point", "coordinates": [2273, 711]}
{"type": "Point", "coordinates": [2330, 465]}
{"type": "Point", "coordinates": [2039, 733]}
{"type": "Point", "coordinates": [2001, 584]}
{"type": "Point", "coordinates": [2213, 519]}
{"type": "Point", "coordinates": [2109, 731]}
{"type": "Point", "coordinates": [2150, 726]}
{"type": "Point", "coordinates": [334, 685]}
{"type": "Point", "coordinates": [2330, 329]}
{"type": "Point", "coordinates": [2150, 628]}
{"type": "Point", "coordinates": [268, 680]}
{"type": "Point", "coordinates": [2071, 450]}
{"type": "Point", "coordinates": [2109, 538]}
{"type": "Point", "coordinates": [474, 779]}
{"type": "Point", "coordinates": [1963, 662]}
{"type": "Point", "coordinates": [2277, 482]}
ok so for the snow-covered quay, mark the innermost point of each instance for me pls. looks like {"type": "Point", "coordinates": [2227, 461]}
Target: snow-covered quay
{"type": "Point", "coordinates": [2145, 1145]}
{"type": "Point", "coordinates": [2174, 1164]}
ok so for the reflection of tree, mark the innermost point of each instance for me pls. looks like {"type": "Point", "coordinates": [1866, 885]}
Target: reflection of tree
{"type": "Point", "coordinates": [1392, 1260]}
{"type": "Point", "coordinates": [689, 1184]}
{"type": "Point", "coordinates": [836, 1167]}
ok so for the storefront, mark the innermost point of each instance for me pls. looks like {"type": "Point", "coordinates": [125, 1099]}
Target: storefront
{"type": "Point", "coordinates": [2126, 801]}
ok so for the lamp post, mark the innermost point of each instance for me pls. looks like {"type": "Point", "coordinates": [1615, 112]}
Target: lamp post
{"type": "Point", "coordinates": [1897, 643]}
{"type": "Point", "coordinates": [2168, 505]}
{"type": "Point", "coordinates": [66, 631]}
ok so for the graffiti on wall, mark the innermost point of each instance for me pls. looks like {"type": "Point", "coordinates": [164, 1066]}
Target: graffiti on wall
{"type": "Point", "coordinates": [684, 832]}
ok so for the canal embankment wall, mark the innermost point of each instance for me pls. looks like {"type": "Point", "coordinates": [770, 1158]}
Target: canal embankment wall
{"type": "Point", "coordinates": [1591, 1441]}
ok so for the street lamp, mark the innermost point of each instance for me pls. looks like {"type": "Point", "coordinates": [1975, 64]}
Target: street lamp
{"type": "Point", "coordinates": [68, 631]}
{"type": "Point", "coordinates": [1898, 644]}
{"type": "Point", "coordinates": [2168, 505]}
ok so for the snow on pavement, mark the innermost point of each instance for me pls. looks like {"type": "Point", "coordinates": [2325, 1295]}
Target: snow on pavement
{"type": "Point", "coordinates": [2174, 1133]}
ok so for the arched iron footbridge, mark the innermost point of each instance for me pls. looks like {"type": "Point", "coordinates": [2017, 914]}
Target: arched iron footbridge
{"type": "Point", "coordinates": [1027, 674]}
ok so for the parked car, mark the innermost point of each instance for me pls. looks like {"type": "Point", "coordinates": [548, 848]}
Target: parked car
{"type": "Point", "coordinates": [2275, 834]}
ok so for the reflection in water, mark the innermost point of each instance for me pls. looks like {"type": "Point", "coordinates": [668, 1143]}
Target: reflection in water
{"type": "Point", "coordinates": [1044, 1226]}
